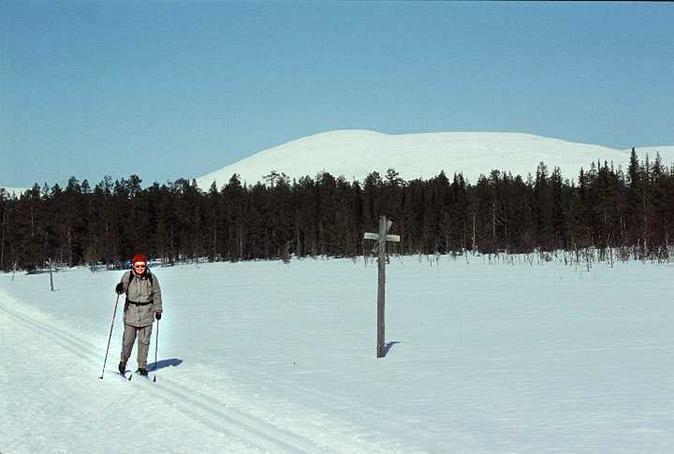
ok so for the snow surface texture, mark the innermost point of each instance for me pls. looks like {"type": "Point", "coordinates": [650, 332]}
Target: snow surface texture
{"type": "Point", "coordinates": [507, 355]}
{"type": "Point", "coordinates": [354, 154]}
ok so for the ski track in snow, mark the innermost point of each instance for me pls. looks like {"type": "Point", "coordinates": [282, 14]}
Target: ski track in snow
{"type": "Point", "coordinates": [207, 409]}
{"type": "Point", "coordinates": [337, 400]}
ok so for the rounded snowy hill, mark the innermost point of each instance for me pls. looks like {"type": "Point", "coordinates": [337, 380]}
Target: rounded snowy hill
{"type": "Point", "coordinates": [354, 154]}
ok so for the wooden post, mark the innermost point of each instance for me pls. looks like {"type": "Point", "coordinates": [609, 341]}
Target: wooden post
{"type": "Point", "coordinates": [381, 289]}
{"type": "Point", "coordinates": [382, 238]}
{"type": "Point", "coordinates": [51, 275]}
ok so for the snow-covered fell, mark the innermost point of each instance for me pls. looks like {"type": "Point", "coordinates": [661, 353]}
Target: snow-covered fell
{"type": "Point", "coordinates": [356, 153]}
{"type": "Point", "coordinates": [13, 191]}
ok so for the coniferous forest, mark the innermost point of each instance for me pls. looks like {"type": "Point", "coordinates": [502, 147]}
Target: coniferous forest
{"type": "Point", "coordinates": [604, 208]}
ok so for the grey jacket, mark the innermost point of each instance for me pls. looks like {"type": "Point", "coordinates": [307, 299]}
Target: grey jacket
{"type": "Point", "coordinates": [143, 299]}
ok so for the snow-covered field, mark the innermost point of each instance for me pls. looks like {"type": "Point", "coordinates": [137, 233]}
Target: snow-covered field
{"type": "Point", "coordinates": [486, 356]}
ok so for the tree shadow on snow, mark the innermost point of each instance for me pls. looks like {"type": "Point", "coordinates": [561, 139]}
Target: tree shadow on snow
{"type": "Point", "coordinates": [173, 362]}
{"type": "Point", "coordinates": [388, 346]}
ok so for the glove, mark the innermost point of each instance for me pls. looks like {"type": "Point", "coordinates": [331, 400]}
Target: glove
{"type": "Point", "coordinates": [157, 315]}
{"type": "Point", "coordinates": [119, 288]}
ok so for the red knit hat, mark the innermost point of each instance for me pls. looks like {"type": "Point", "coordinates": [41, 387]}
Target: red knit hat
{"type": "Point", "coordinates": [139, 258]}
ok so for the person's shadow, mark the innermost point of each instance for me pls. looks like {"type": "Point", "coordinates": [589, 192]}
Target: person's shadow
{"type": "Point", "coordinates": [173, 362]}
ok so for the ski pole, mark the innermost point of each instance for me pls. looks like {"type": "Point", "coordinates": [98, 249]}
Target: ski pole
{"type": "Point", "coordinates": [114, 313]}
{"type": "Point", "coordinates": [156, 347]}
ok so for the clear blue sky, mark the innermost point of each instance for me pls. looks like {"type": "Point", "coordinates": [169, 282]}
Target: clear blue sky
{"type": "Point", "coordinates": [178, 89]}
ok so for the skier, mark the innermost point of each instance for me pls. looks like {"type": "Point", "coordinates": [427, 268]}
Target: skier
{"type": "Point", "coordinates": [142, 306]}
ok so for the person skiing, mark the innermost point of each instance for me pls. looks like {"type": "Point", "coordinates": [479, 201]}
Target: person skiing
{"type": "Point", "coordinates": [142, 306]}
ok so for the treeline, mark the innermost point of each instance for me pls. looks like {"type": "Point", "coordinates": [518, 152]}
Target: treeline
{"type": "Point", "coordinates": [604, 207]}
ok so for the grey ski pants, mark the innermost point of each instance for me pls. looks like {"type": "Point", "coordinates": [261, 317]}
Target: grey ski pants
{"type": "Point", "coordinates": [144, 336]}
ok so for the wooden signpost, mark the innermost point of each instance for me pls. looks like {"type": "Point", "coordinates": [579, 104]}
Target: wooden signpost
{"type": "Point", "coordinates": [382, 237]}
{"type": "Point", "coordinates": [51, 274]}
